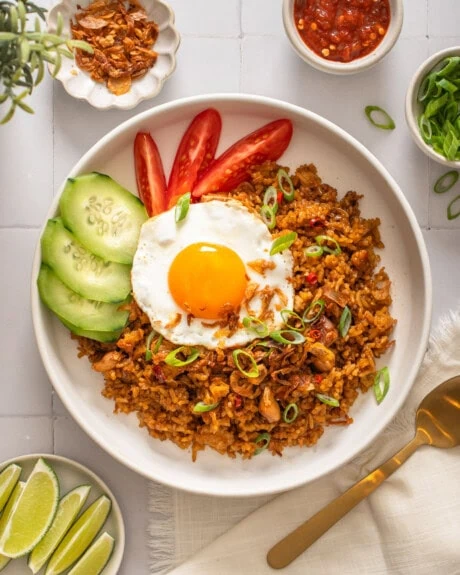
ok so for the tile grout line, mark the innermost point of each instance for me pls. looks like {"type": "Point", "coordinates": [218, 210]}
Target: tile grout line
{"type": "Point", "coordinates": [240, 36]}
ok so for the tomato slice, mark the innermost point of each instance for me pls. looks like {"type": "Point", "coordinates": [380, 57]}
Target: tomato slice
{"type": "Point", "coordinates": [231, 168]}
{"type": "Point", "coordinates": [150, 176]}
{"type": "Point", "coordinates": [195, 153]}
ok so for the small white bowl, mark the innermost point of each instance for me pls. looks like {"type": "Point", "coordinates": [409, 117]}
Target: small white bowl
{"type": "Point", "coordinates": [414, 108]}
{"type": "Point", "coordinates": [80, 85]}
{"type": "Point", "coordinates": [70, 475]}
{"type": "Point", "coordinates": [343, 68]}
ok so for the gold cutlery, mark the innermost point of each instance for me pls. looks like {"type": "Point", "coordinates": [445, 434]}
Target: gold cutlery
{"type": "Point", "coordinates": [437, 424]}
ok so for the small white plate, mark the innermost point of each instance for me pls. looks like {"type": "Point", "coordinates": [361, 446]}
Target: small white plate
{"type": "Point", "coordinates": [72, 474]}
{"type": "Point", "coordinates": [80, 85]}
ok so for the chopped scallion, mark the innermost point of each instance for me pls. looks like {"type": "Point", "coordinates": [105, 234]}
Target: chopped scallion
{"type": "Point", "coordinates": [182, 207]}
{"type": "Point", "coordinates": [254, 371]}
{"type": "Point", "coordinates": [313, 311]}
{"type": "Point", "coordinates": [287, 336]}
{"type": "Point", "coordinates": [148, 343]}
{"type": "Point", "coordinates": [263, 440]}
{"type": "Point", "coordinates": [268, 216]}
{"type": "Point", "coordinates": [291, 413]}
{"type": "Point", "coordinates": [314, 251]}
{"type": "Point", "coordinates": [256, 325]}
{"type": "Point", "coordinates": [451, 214]}
{"type": "Point", "coordinates": [202, 407]}
{"type": "Point", "coordinates": [323, 240]}
{"type": "Point", "coordinates": [283, 179]}
{"type": "Point", "coordinates": [283, 243]}
{"type": "Point", "coordinates": [328, 400]}
{"type": "Point", "coordinates": [287, 315]}
{"type": "Point", "coordinates": [381, 384]}
{"type": "Point", "coordinates": [345, 321]}
{"type": "Point", "coordinates": [386, 123]}
{"type": "Point", "coordinates": [446, 181]}
{"type": "Point", "coordinates": [173, 360]}
{"type": "Point", "coordinates": [271, 199]}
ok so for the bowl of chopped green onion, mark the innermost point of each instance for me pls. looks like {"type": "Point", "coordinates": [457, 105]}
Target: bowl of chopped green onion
{"type": "Point", "coordinates": [433, 107]}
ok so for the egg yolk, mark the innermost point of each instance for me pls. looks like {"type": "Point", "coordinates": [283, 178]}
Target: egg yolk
{"type": "Point", "coordinates": [207, 280]}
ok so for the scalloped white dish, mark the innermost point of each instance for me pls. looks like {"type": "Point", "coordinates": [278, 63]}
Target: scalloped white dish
{"type": "Point", "coordinates": [80, 85]}
{"type": "Point", "coordinates": [346, 165]}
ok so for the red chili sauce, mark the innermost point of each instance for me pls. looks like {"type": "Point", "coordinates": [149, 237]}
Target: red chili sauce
{"type": "Point", "coordinates": [342, 30]}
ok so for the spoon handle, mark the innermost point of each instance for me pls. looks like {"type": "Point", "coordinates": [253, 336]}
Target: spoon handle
{"type": "Point", "coordinates": [286, 550]}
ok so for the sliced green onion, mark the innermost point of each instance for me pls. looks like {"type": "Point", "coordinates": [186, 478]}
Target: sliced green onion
{"type": "Point", "coordinates": [182, 207]}
{"type": "Point", "coordinates": [320, 240]}
{"type": "Point", "coordinates": [271, 199]}
{"type": "Point", "coordinates": [268, 216]}
{"type": "Point", "coordinates": [447, 86]}
{"type": "Point", "coordinates": [345, 321]}
{"type": "Point", "coordinates": [328, 400]}
{"type": "Point", "coordinates": [157, 345]}
{"type": "Point", "coordinates": [202, 407]}
{"type": "Point", "coordinates": [426, 87]}
{"type": "Point", "coordinates": [256, 325]}
{"type": "Point", "coordinates": [294, 337]}
{"type": "Point", "coordinates": [426, 129]}
{"type": "Point", "coordinates": [172, 359]}
{"type": "Point", "coordinates": [382, 378]}
{"type": "Point", "coordinates": [387, 121]}
{"type": "Point", "coordinates": [433, 106]}
{"type": "Point", "coordinates": [148, 343]}
{"type": "Point", "coordinates": [307, 317]}
{"type": "Point", "coordinates": [291, 413]}
{"type": "Point", "coordinates": [283, 178]}
{"type": "Point", "coordinates": [451, 215]}
{"type": "Point", "coordinates": [283, 243]}
{"type": "Point", "coordinates": [286, 314]}
{"type": "Point", "coordinates": [446, 181]}
{"type": "Point", "coordinates": [264, 440]}
{"type": "Point", "coordinates": [254, 372]}
{"type": "Point", "coordinates": [450, 65]}
{"type": "Point", "coordinates": [314, 251]}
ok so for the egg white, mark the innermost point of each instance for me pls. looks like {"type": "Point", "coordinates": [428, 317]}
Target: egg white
{"type": "Point", "coordinates": [226, 223]}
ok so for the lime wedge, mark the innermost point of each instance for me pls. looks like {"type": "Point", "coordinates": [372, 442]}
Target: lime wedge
{"type": "Point", "coordinates": [8, 479]}
{"type": "Point", "coordinates": [67, 510]}
{"type": "Point", "coordinates": [33, 513]}
{"type": "Point", "coordinates": [4, 560]}
{"type": "Point", "coordinates": [96, 557]}
{"type": "Point", "coordinates": [79, 536]}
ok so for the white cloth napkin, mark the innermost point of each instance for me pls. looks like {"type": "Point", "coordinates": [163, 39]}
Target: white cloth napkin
{"type": "Point", "coordinates": [410, 525]}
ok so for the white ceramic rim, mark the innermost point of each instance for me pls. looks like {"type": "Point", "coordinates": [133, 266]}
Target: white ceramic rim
{"type": "Point", "coordinates": [214, 100]}
{"type": "Point", "coordinates": [412, 106]}
{"type": "Point", "coordinates": [343, 68]}
{"type": "Point", "coordinates": [50, 24]}
{"type": "Point", "coordinates": [115, 509]}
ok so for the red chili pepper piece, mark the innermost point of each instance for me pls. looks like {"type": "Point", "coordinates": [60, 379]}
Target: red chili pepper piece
{"type": "Point", "coordinates": [318, 378]}
{"type": "Point", "coordinates": [311, 278]}
{"type": "Point", "coordinates": [238, 402]}
{"type": "Point", "coordinates": [279, 197]}
{"type": "Point", "coordinates": [314, 333]}
{"type": "Point", "coordinates": [316, 223]}
{"type": "Point", "coordinates": [159, 374]}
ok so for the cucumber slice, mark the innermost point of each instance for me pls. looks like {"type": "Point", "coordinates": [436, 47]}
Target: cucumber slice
{"type": "Point", "coordinates": [103, 336]}
{"type": "Point", "coordinates": [83, 313]}
{"type": "Point", "coordinates": [83, 272]}
{"type": "Point", "coordinates": [104, 216]}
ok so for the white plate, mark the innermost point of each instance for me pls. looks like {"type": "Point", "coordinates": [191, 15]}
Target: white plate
{"type": "Point", "coordinates": [343, 163]}
{"type": "Point", "coordinates": [72, 474]}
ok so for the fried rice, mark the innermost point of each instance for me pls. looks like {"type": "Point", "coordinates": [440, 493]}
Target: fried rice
{"type": "Point", "coordinates": [249, 412]}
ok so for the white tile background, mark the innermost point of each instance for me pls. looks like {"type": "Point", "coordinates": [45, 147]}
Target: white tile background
{"type": "Point", "coordinates": [231, 46]}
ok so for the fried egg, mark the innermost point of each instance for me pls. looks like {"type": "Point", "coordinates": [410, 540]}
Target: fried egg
{"type": "Point", "coordinates": [188, 276]}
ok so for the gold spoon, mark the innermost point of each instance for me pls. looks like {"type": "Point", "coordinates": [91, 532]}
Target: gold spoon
{"type": "Point", "coordinates": [437, 424]}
